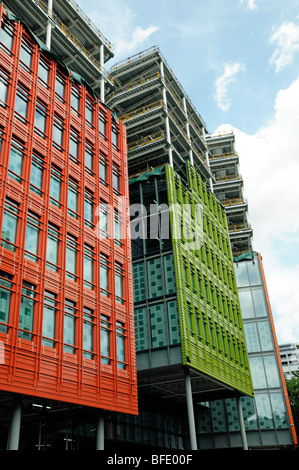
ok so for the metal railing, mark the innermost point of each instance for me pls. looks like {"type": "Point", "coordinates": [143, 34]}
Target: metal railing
{"type": "Point", "coordinates": [239, 227]}
{"type": "Point", "coordinates": [223, 179]}
{"type": "Point", "coordinates": [223, 155]}
{"type": "Point", "coordinates": [133, 84]}
{"type": "Point", "coordinates": [233, 202]}
{"type": "Point", "coordinates": [145, 140]}
{"type": "Point", "coordinates": [141, 111]}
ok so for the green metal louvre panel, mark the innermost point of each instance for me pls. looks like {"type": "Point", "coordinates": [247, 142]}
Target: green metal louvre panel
{"type": "Point", "coordinates": [211, 328]}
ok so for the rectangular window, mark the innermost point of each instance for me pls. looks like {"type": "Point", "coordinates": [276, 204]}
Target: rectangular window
{"type": "Point", "coordinates": [104, 275]}
{"type": "Point", "coordinates": [74, 147]}
{"type": "Point", "coordinates": [32, 237]}
{"type": "Point", "coordinates": [5, 296]}
{"type": "Point", "coordinates": [103, 170]}
{"type": "Point", "coordinates": [102, 125]}
{"type": "Point", "coordinates": [72, 199]}
{"type": "Point", "coordinates": [88, 209]}
{"type": "Point", "coordinates": [49, 320]}
{"type": "Point", "coordinates": [52, 247]}
{"type": "Point", "coordinates": [55, 187]}
{"type": "Point", "coordinates": [71, 258]}
{"type": "Point", "coordinates": [114, 136]}
{"type": "Point", "coordinates": [58, 133]}
{"type": "Point", "coordinates": [89, 109]}
{"type": "Point", "coordinates": [43, 73]}
{"type": "Point", "coordinates": [59, 87]}
{"type": "Point", "coordinates": [4, 82]}
{"type": "Point", "coordinates": [88, 327]}
{"type": "Point", "coordinates": [16, 157]}
{"type": "Point", "coordinates": [103, 220]}
{"type": "Point", "coordinates": [25, 55]}
{"type": "Point", "coordinates": [6, 37]}
{"type": "Point", "coordinates": [21, 104]}
{"type": "Point", "coordinates": [75, 100]}
{"type": "Point", "coordinates": [9, 225]}
{"type": "Point", "coordinates": [88, 267]}
{"type": "Point", "coordinates": [69, 326]}
{"type": "Point", "coordinates": [117, 229]}
{"type": "Point", "coordinates": [40, 120]}
{"type": "Point", "coordinates": [116, 179]}
{"type": "Point", "coordinates": [36, 174]}
{"type": "Point", "coordinates": [105, 340]}
{"type": "Point", "coordinates": [120, 345]}
{"type": "Point", "coordinates": [27, 311]}
{"type": "Point", "coordinates": [89, 158]}
{"type": "Point", "coordinates": [118, 283]}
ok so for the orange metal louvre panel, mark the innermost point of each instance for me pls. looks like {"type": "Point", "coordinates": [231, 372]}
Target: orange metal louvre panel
{"type": "Point", "coordinates": [35, 364]}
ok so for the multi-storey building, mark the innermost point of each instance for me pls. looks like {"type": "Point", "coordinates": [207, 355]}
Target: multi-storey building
{"type": "Point", "coordinates": [67, 324]}
{"type": "Point", "coordinates": [289, 354]}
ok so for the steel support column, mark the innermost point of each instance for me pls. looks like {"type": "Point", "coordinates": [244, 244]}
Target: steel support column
{"type": "Point", "coordinates": [191, 420]}
{"type": "Point", "coordinates": [242, 426]}
{"type": "Point", "coordinates": [15, 426]}
{"type": "Point", "coordinates": [100, 433]}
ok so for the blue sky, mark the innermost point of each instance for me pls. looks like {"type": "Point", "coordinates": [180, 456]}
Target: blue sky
{"type": "Point", "coordinates": [238, 61]}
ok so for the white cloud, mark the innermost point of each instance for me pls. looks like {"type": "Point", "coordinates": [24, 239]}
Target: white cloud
{"type": "Point", "coordinates": [286, 38]}
{"type": "Point", "coordinates": [124, 46]}
{"type": "Point", "coordinates": [250, 4]}
{"type": "Point", "coordinates": [222, 83]}
{"type": "Point", "coordinates": [269, 165]}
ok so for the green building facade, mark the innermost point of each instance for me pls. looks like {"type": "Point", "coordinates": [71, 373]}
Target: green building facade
{"type": "Point", "coordinates": [187, 310]}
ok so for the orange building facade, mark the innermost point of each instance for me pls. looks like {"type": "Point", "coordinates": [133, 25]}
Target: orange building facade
{"type": "Point", "coordinates": [66, 313]}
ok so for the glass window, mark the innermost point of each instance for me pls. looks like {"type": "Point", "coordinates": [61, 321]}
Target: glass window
{"type": "Point", "coordinates": [72, 199]}
{"type": "Point", "coordinates": [49, 319]}
{"type": "Point", "coordinates": [115, 179]}
{"type": "Point", "coordinates": [27, 311]}
{"type": "Point", "coordinates": [118, 283]}
{"type": "Point", "coordinates": [16, 157]}
{"type": "Point", "coordinates": [253, 272]}
{"type": "Point", "coordinates": [154, 272]}
{"type": "Point", "coordinates": [241, 274]}
{"type": "Point", "coordinates": [32, 237]}
{"type": "Point", "coordinates": [105, 340]}
{"type": "Point", "coordinates": [40, 120]}
{"type": "Point", "coordinates": [265, 335]}
{"type": "Point", "coordinates": [55, 187]}
{"type": "Point", "coordinates": [5, 295]}
{"type": "Point", "coordinates": [103, 170]}
{"type": "Point", "coordinates": [158, 325]}
{"type": "Point", "coordinates": [89, 112]}
{"type": "Point", "coordinates": [264, 411]}
{"type": "Point", "coordinates": [141, 329]}
{"type": "Point", "coordinates": [25, 55]}
{"type": "Point", "coordinates": [117, 229]}
{"type": "Point", "coordinates": [88, 333]}
{"type": "Point", "coordinates": [170, 285]}
{"type": "Point", "coordinates": [74, 147]}
{"type": "Point", "coordinates": [71, 258]}
{"type": "Point", "coordinates": [36, 174]}
{"type": "Point", "coordinates": [114, 136]}
{"type": "Point", "coordinates": [43, 73]}
{"type": "Point", "coordinates": [21, 104]}
{"type": "Point", "coordinates": [102, 125]}
{"type": "Point", "coordinates": [57, 133]}
{"type": "Point", "coordinates": [246, 304]}
{"type": "Point", "coordinates": [69, 326]}
{"type": "Point", "coordinates": [278, 407]}
{"type": "Point", "coordinates": [59, 87]}
{"type": "Point", "coordinates": [259, 302]}
{"type": "Point", "coordinates": [271, 371]}
{"type": "Point", "coordinates": [120, 345]}
{"type": "Point", "coordinates": [6, 37]}
{"type": "Point", "coordinates": [75, 100]}
{"type": "Point", "coordinates": [139, 282]}
{"type": "Point", "coordinates": [257, 372]}
{"type": "Point", "coordinates": [9, 225]}
{"type": "Point", "coordinates": [104, 275]}
{"type": "Point", "coordinates": [252, 340]}
{"type": "Point", "coordinates": [89, 157]}
{"type": "Point", "coordinates": [4, 81]}
{"type": "Point", "coordinates": [52, 247]}
{"type": "Point", "coordinates": [88, 209]}
{"type": "Point", "coordinates": [173, 322]}
{"type": "Point", "coordinates": [88, 266]}
{"type": "Point", "coordinates": [103, 220]}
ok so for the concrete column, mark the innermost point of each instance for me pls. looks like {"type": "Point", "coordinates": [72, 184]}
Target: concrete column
{"type": "Point", "coordinates": [100, 436]}
{"type": "Point", "coordinates": [242, 425]}
{"type": "Point", "coordinates": [190, 409]}
{"type": "Point", "coordinates": [49, 24]}
{"type": "Point", "coordinates": [15, 426]}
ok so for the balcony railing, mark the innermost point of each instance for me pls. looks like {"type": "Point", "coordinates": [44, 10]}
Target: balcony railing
{"type": "Point", "coordinates": [233, 228]}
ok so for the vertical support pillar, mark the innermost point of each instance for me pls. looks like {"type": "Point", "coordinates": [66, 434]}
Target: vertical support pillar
{"type": "Point", "coordinates": [102, 73]}
{"type": "Point", "coordinates": [49, 24]}
{"type": "Point", "coordinates": [190, 409]}
{"type": "Point", "coordinates": [242, 425]}
{"type": "Point", "coordinates": [100, 433]}
{"type": "Point", "coordinates": [166, 118]}
{"type": "Point", "coordinates": [15, 426]}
